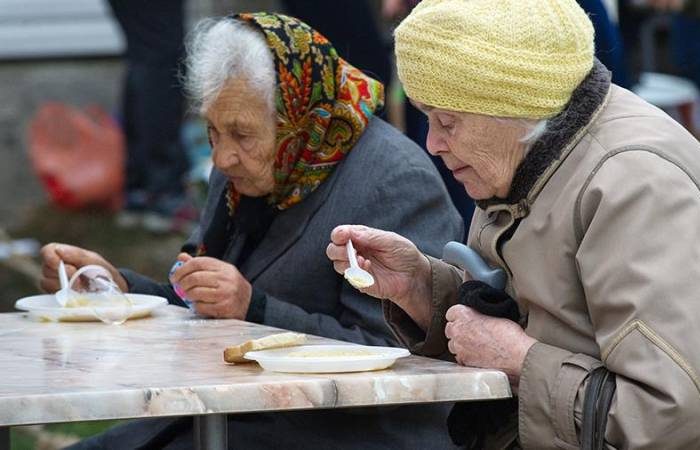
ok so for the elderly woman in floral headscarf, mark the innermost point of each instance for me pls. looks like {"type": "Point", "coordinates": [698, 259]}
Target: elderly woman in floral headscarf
{"type": "Point", "coordinates": [297, 150]}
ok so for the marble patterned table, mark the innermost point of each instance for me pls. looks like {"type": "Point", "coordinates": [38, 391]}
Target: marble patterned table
{"type": "Point", "coordinates": [172, 365]}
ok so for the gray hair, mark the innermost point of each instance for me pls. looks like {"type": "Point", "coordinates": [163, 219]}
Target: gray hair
{"type": "Point", "coordinates": [225, 48]}
{"type": "Point", "coordinates": [534, 129]}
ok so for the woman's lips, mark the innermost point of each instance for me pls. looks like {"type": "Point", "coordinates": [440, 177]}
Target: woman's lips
{"type": "Point", "coordinates": [459, 170]}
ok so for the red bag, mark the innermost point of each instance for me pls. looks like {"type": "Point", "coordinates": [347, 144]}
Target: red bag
{"type": "Point", "coordinates": [78, 155]}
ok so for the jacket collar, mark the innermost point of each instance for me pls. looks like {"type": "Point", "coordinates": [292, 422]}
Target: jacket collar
{"type": "Point", "coordinates": [546, 154]}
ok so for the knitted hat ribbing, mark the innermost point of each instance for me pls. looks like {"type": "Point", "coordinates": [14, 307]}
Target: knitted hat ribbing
{"type": "Point", "coordinates": [506, 58]}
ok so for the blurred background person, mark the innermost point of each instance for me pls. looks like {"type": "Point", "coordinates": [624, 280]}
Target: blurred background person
{"type": "Point", "coordinates": [685, 37]}
{"type": "Point", "coordinates": [609, 48]}
{"type": "Point", "coordinates": [664, 41]}
{"type": "Point", "coordinates": [354, 29]}
{"type": "Point", "coordinates": [152, 110]}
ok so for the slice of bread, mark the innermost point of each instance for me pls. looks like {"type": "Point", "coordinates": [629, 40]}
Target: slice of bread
{"type": "Point", "coordinates": [235, 354]}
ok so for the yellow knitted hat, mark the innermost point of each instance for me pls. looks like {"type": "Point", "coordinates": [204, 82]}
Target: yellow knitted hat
{"type": "Point", "coordinates": [506, 58]}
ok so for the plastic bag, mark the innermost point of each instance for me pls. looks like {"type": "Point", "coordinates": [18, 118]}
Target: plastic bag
{"type": "Point", "coordinates": [78, 155]}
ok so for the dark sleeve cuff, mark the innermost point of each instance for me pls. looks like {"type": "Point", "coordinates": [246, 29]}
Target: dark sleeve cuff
{"type": "Point", "coordinates": [446, 280]}
{"type": "Point", "coordinates": [139, 284]}
{"type": "Point", "coordinates": [256, 309]}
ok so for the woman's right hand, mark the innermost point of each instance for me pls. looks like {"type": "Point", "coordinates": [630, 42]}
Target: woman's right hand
{"type": "Point", "coordinates": [401, 272]}
{"type": "Point", "coordinates": [73, 258]}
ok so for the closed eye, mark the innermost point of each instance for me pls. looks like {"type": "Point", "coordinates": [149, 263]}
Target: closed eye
{"type": "Point", "coordinates": [446, 121]}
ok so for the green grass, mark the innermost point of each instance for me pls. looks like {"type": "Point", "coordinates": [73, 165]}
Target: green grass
{"type": "Point", "coordinates": [82, 429]}
{"type": "Point", "coordinates": [23, 440]}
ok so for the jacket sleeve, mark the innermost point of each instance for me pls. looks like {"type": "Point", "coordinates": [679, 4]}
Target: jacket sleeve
{"type": "Point", "coordinates": [426, 217]}
{"type": "Point", "coordinates": [639, 266]}
{"type": "Point", "coordinates": [445, 280]}
{"type": "Point", "coordinates": [141, 284]}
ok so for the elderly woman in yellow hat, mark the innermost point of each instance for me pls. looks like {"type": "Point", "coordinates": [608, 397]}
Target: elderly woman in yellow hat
{"type": "Point", "coordinates": [589, 202]}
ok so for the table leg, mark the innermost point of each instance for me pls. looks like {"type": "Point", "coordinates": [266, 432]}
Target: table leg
{"type": "Point", "coordinates": [4, 438]}
{"type": "Point", "coordinates": [211, 432]}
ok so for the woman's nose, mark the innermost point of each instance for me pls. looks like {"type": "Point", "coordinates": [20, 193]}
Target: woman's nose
{"type": "Point", "coordinates": [434, 142]}
{"type": "Point", "coordinates": [224, 156]}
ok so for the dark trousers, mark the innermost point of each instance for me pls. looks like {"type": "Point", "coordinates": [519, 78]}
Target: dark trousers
{"type": "Point", "coordinates": [152, 99]}
{"type": "Point", "coordinates": [685, 38]}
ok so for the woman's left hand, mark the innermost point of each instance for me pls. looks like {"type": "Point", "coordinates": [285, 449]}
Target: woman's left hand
{"type": "Point", "coordinates": [483, 341]}
{"type": "Point", "coordinates": [216, 288]}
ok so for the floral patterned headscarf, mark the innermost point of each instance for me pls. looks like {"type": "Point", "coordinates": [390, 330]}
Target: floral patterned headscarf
{"type": "Point", "coordinates": [323, 105]}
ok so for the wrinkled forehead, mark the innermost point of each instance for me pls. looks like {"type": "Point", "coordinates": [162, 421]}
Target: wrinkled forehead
{"type": "Point", "coordinates": [239, 102]}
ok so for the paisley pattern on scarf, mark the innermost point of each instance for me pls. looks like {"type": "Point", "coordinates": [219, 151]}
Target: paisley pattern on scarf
{"type": "Point", "coordinates": [323, 106]}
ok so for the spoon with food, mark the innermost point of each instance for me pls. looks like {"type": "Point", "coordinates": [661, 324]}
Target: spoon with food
{"type": "Point", "coordinates": [356, 276]}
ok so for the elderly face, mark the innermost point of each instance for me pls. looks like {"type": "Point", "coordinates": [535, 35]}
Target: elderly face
{"type": "Point", "coordinates": [481, 151]}
{"type": "Point", "coordinates": [242, 132]}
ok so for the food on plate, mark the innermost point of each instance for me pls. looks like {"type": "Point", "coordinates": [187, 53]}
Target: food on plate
{"type": "Point", "coordinates": [79, 301]}
{"type": "Point", "coordinates": [350, 351]}
{"type": "Point", "coordinates": [235, 354]}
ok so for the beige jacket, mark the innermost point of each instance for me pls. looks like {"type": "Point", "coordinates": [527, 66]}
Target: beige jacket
{"type": "Point", "coordinates": [603, 258]}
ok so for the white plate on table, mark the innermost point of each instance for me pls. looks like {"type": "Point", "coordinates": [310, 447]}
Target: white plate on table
{"type": "Point", "coordinates": [45, 307]}
{"type": "Point", "coordinates": [327, 358]}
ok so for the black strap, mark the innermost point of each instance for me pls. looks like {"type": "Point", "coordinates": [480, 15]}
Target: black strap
{"type": "Point", "coordinates": [596, 405]}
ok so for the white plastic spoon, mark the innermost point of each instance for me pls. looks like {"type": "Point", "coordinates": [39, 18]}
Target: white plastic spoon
{"type": "Point", "coordinates": [63, 293]}
{"type": "Point", "coordinates": [356, 276]}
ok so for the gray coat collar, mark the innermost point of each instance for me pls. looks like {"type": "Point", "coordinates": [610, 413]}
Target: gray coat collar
{"type": "Point", "coordinates": [585, 102]}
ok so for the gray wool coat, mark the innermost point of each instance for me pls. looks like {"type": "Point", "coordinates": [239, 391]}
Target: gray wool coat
{"type": "Point", "coordinates": [387, 182]}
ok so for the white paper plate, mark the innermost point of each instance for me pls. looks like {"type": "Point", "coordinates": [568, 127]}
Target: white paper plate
{"type": "Point", "coordinates": [45, 307]}
{"type": "Point", "coordinates": [327, 358]}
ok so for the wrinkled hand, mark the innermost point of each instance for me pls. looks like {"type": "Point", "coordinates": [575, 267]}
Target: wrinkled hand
{"type": "Point", "coordinates": [394, 261]}
{"type": "Point", "coordinates": [74, 258]}
{"type": "Point", "coordinates": [401, 272]}
{"type": "Point", "coordinates": [216, 288]}
{"type": "Point", "coordinates": [666, 5]}
{"type": "Point", "coordinates": [478, 340]}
